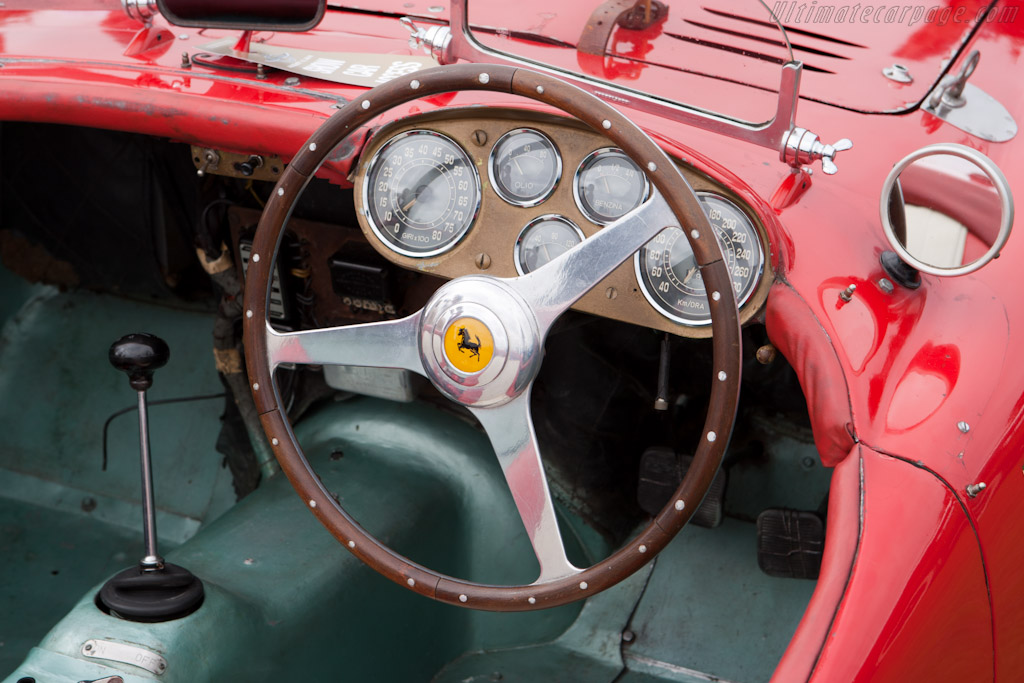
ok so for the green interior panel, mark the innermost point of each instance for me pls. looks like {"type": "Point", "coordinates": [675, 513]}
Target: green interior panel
{"type": "Point", "coordinates": [54, 359]}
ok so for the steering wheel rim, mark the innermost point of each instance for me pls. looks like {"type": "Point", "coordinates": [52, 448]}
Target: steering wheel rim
{"type": "Point", "coordinates": [265, 348]}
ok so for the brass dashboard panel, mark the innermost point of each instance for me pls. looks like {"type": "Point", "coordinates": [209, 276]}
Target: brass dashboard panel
{"type": "Point", "coordinates": [489, 245]}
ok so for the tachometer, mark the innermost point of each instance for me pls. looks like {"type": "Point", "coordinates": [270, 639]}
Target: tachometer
{"type": "Point", "coordinates": [609, 185]}
{"type": "Point", "coordinates": [667, 270]}
{"type": "Point", "coordinates": [421, 193]}
{"type": "Point", "coordinates": [525, 166]}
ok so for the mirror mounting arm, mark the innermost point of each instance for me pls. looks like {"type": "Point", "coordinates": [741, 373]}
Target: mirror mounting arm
{"type": "Point", "coordinates": [140, 10]}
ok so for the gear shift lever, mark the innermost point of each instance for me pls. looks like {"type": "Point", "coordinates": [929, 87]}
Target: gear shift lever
{"type": "Point", "coordinates": [139, 355]}
{"type": "Point", "coordinates": [154, 590]}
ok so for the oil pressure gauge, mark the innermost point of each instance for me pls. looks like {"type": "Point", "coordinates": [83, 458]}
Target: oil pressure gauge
{"type": "Point", "coordinates": [667, 269]}
{"type": "Point", "coordinates": [525, 166]}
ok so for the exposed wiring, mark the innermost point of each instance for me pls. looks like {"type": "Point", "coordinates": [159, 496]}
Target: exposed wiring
{"type": "Point", "coordinates": [252, 191]}
{"type": "Point", "coordinates": [183, 399]}
{"type": "Point", "coordinates": [206, 239]}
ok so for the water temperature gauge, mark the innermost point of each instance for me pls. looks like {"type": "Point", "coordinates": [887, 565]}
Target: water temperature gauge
{"type": "Point", "coordinates": [544, 239]}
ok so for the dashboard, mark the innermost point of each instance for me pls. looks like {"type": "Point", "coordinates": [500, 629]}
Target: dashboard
{"type": "Point", "coordinates": [504, 192]}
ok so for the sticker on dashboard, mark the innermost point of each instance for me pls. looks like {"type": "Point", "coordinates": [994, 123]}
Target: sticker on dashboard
{"type": "Point", "coordinates": [352, 68]}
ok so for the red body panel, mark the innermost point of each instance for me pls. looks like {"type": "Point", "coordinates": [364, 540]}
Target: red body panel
{"type": "Point", "coordinates": [915, 363]}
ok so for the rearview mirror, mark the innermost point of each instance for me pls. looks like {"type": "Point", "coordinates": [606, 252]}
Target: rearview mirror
{"type": "Point", "coordinates": [946, 209]}
{"type": "Point", "coordinates": [246, 15]}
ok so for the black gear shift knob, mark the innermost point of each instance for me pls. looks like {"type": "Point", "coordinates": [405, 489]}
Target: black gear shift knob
{"type": "Point", "coordinates": [139, 355]}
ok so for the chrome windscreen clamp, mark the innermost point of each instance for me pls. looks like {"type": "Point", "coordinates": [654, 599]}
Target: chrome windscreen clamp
{"type": "Point", "coordinates": [970, 108]}
{"type": "Point", "coordinates": [801, 147]}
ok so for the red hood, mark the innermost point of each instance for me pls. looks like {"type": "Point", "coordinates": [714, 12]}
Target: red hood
{"type": "Point", "coordinates": [844, 46]}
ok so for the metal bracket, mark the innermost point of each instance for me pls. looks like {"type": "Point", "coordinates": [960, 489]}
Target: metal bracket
{"type": "Point", "coordinates": [434, 41]}
{"type": "Point", "coordinates": [235, 165]}
{"type": "Point", "coordinates": [796, 146]}
{"type": "Point", "coordinates": [970, 108]}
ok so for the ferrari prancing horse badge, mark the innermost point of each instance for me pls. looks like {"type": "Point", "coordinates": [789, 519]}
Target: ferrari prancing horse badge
{"type": "Point", "coordinates": [468, 344]}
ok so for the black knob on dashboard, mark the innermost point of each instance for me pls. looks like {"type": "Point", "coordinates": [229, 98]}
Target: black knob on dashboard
{"type": "Point", "coordinates": [139, 355]}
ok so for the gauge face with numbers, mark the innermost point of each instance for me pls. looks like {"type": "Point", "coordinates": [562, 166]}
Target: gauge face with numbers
{"type": "Point", "coordinates": [609, 185]}
{"type": "Point", "coordinates": [545, 239]}
{"type": "Point", "coordinates": [668, 273]}
{"type": "Point", "coordinates": [525, 167]}
{"type": "Point", "coordinates": [421, 193]}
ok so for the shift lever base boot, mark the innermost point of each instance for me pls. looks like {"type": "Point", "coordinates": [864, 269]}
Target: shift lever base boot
{"type": "Point", "coordinates": [152, 596]}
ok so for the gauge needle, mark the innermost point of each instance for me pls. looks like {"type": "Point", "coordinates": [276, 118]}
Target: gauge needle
{"type": "Point", "coordinates": [518, 167]}
{"type": "Point", "coordinates": [606, 187]}
{"type": "Point", "coordinates": [546, 252]}
{"type": "Point", "coordinates": [411, 202]}
{"type": "Point", "coordinates": [689, 274]}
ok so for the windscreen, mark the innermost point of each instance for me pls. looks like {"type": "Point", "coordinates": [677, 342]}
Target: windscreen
{"type": "Point", "coordinates": [722, 56]}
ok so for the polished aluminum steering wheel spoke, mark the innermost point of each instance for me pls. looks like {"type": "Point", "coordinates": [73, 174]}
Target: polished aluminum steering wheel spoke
{"type": "Point", "coordinates": [386, 344]}
{"type": "Point", "coordinates": [510, 429]}
{"type": "Point", "coordinates": [559, 284]}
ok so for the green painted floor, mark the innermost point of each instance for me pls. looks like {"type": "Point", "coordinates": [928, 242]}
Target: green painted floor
{"type": "Point", "coordinates": [705, 611]}
{"type": "Point", "coordinates": [709, 609]}
{"type": "Point", "coordinates": [65, 523]}
{"type": "Point", "coordinates": [49, 560]}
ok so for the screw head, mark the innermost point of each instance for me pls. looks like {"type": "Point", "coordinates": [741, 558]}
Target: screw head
{"type": "Point", "coordinates": [974, 489]}
{"type": "Point", "coordinates": [483, 261]}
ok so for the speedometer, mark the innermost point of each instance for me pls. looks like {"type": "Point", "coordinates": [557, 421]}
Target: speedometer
{"type": "Point", "coordinates": [421, 193]}
{"type": "Point", "coordinates": [667, 269]}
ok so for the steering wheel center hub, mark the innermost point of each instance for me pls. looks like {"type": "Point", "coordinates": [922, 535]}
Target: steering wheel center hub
{"type": "Point", "coordinates": [479, 341]}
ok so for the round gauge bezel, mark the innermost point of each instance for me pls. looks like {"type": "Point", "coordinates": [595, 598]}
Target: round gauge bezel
{"type": "Point", "coordinates": [591, 158]}
{"type": "Point", "coordinates": [755, 280]}
{"type": "Point", "coordinates": [526, 228]}
{"type": "Point", "coordinates": [493, 177]}
{"type": "Point", "coordinates": [368, 178]}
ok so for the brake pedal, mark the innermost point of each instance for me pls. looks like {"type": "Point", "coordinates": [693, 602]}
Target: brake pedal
{"type": "Point", "coordinates": [790, 543]}
{"type": "Point", "coordinates": [661, 471]}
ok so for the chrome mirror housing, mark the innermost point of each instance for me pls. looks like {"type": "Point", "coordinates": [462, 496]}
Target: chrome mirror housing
{"type": "Point", "coordinates": [946, 209]}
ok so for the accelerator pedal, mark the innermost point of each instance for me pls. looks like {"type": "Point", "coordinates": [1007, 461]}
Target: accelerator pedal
{"type": "Point", "coordinates": [790, 543]}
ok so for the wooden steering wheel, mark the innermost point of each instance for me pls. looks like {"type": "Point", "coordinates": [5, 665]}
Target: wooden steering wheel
{"type": "Point", "coordinates": [512, 316]}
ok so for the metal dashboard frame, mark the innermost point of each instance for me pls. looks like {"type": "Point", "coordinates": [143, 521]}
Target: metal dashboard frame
{"type": "Point", "coordinates": [489, 245]}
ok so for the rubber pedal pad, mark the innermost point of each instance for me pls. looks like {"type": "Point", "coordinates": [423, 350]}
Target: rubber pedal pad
{"type": "Point", "coordinates": [790, 543]}
{"type": "Point", "coordinates": [661, 471]}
